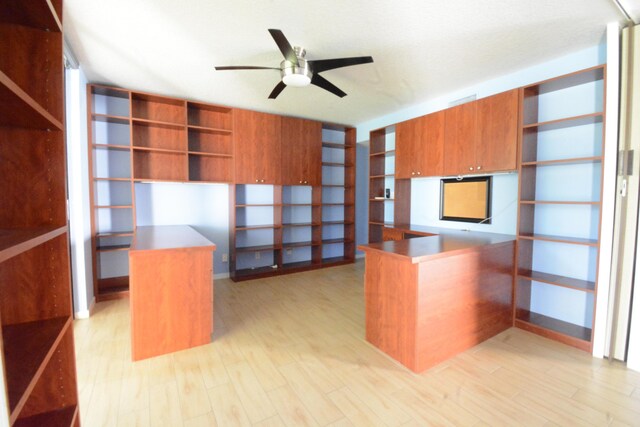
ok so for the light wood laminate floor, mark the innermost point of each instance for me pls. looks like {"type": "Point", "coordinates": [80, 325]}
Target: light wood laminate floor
{"type": "Point", "coordinates": [290, 351]}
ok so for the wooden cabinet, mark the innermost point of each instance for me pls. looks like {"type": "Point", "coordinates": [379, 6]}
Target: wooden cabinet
{"type": "Point", "coordinates": [497, 139]}
{"type": "Point", "coordinates": [460, 140]}
{"type": "Point", "coordinates": [301, 147]}
{"type": "Point", "coordinates": [37, 359]}
{"type": "Point", "coordinates": [419, 146]}
{"type": "Point", "coordinates": [257, 147]}
{"type": "Point", "coordinates": [481, 136]}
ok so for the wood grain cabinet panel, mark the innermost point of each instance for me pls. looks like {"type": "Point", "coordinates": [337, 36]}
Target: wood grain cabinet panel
{"type": "Point", "coordinates": [257, 147]}
{"type": "Point", "coordinates": [301, 147]}
{"type": "Point", "coordinates": [419, 146]}
{"type": "Point", "coordinates": [460, 139]}
{"type": "Point", "coordinates": [497, 132]}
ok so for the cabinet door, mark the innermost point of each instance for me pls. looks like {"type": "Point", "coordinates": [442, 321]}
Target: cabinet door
{"type": "Point", "coordinates": [429, 154]}
{"type": "Point", "coordinates": [406, 136]}
{"type": "Point", "coordinates": [460, 139]}
{"type": "Point", "coordinates": [301, 151]}
{"type": "Point", "coordinates": [497, 132]}
{"type": "Point", "coordinates": [257, 147]}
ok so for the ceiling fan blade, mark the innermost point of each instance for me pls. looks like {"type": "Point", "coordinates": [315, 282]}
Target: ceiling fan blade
{"type": "Point", "coordinates": [244, 67]}
{"type": "Point", "coordinates": [276, 90]}
{"type": "Point", "coordinates": [284, 46]}
{"type": "Point", "coordinates": [325, 84]}
{"type": "Point", "coordinates": [330, 64]}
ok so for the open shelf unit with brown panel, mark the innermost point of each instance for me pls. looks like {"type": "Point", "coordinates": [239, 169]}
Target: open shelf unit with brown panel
{"type": "Point", "coordinates": [559, 215]}
{"type": "Point", "coordinates": [141, 137]}
{"type": "Point", "coordinates": [37, 353]}
{"type": "Point", "coordinates": [338, 195]}
{"type": "Point", "coordinates": [385, 211]}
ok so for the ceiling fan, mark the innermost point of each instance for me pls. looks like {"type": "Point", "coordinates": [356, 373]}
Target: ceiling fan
{"type": "Point", "coordinates": [297, 71]}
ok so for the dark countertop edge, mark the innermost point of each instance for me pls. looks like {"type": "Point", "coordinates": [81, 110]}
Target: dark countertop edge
{"type": "Point", "coordinates": [160, 228]}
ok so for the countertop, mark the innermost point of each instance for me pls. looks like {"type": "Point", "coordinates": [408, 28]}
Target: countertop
{"type": "Point", "coordinates": [159, 237]}
{"type": "Point", "coordinates": [437, 243]}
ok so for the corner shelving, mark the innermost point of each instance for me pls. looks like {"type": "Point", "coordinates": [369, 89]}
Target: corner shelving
{"type": "Point", "coordinates": [36, 347]}
{"type": "Point", "coordinates": [558, 238]}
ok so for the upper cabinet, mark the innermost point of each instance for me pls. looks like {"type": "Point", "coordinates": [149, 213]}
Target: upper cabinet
{"type": "Point", "coordinates": [460, 140]}
{"type": "Point", "coordinates": [481, 136]}
{"type": "Point", "coordinates": [301, 144]}
{"type": "Point", "coordinates": [419, 146]}
{"type": "Point", "coordinates": [496, 148]}
{"type": "Point", "coordinates": [257, 147]}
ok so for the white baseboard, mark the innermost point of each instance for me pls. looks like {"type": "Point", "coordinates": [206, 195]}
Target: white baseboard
{"type": "Point", "coordinates": [221, 276]}
{"type": "Point", "coordinates": [360, 255]}
{"type": "Point", "coordinates": [85, 314]}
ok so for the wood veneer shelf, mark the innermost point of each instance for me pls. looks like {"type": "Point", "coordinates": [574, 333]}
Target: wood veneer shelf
{"type": "Point", "coordinates": [115, 147]}
{"type": "Point", "coordinates": [584, 119]}
{"type": "Point", "coordinates": [337, 222]}
{"type": "Point", "coordinates": [58, 418]}
{"type": "Point", "coordinates": [334, 241]}
{"type": "Point", "coordinates": [40, 15]}
{"type": "Point", "coordinates": [258, 248]}
{"type": "Point", "coordinates": [382, 224]}
{"type": "Point", "coordinates": [258, 205]}
{"type": "Point", "coordinates": [159, 150]}
{"type": "Point", "coordinates": [28, 347]}
{"type": "Point", "coordinates": [113, 207]}
{"type": "Point", "coordinates": [301, 224]}
{"type": "Point", "coordinates": [110, 118]}
{"type": "Point", "coordinates": [294, 205]}
{"type": "Point", "coordinates": [112, 179]}
{"type": "Point", "coordinates": [383, 153]}
{"type": "Point", "coordinates": [300, 244]}
{"type": "Point", "coordinates": [559, 239]}
{"type": "Point", "coordinates": [209, 129]}
{"type": "Point", "coordinates": [115, 234]}
{"type": "Point", "coordinates": [257, 227]}
{"type": "Point", "coordinates": [205, 154]}
{"type": "Point", "coordinates": [336, 145]}
{"type": "Point", "coordinates": [588, 75]}
{"type": "Point", "coordinates": [19, 109]}
{"type": "Point", "coordinates": [16, 241]}
{"type": "Point", "coordinates": [562, 162]}
{"type": "Point", "coordinates": [556, 202]}
{"type": "Point", "coordinates": [147, 122]}
{"type": "Point", "coordinates": [554, 279]}
{"type": "Point", "coordinates": [389, 175]}
{"type": "Point", "coordinates": [565, 332]}
{"type": "Point", "coordinates": [112, 248]}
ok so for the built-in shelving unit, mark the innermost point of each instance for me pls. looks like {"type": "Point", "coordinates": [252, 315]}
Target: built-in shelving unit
{"type": "Point", "coordinates": [36, 345]}
{"type": "Point", "coordinates": [562, 143]}
{"type": "Point", "coordinates": [140, 137]}
{"type": "Point", "coordinates": [382, 209]}
{"type": "Point", "coordinates": [338, 195]}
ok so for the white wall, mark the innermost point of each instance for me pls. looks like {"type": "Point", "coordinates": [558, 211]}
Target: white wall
{"type": "Point", "coordinates": [78, 179]}
{"type": "Point", "coordinates": [205, 207]}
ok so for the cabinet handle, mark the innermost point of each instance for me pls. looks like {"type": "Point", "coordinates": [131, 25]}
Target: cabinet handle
{"type": "Point", "coordinates": [479, 168]}
{"type": "Point", "coordinates": [418, 173]}
{"type": "Point", "coordinates": [470, 168]}
{"type": "Point", "coordinates": [299, 182]}
{"type": "Point", "coordinates": [257, 180]}
{"type": "Point", "coordinates": [262, 180]}
{"type": "Point", "coordinates": [305, 182]}
{"type": "Point", "coordinates": [413, 173]}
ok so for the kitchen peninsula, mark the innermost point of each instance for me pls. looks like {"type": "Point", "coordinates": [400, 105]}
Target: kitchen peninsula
{"type": "Point", "coordinates": [429, 298]}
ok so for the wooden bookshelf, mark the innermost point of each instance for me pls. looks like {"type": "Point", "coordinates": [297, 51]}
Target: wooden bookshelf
{"type": "Point", "coordinates": [36, 345]}
{"type": "Point", "coordinates": [543, 157]}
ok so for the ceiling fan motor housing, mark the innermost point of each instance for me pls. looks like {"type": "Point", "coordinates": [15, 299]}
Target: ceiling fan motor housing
{"type": "Point", "coordinates": [296, 75]}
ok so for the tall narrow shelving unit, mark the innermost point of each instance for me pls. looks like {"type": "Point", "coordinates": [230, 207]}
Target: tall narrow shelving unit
{"type": "Point", "coordinates": [382, 209]}
{"type": "Point", "coordinates": [301, 227]}
{"type": "Point", "coordinates": [112, 191]}
{"type": "Point", "coordinates": [140, 137]}
{"type": "Point", "coordinates": [338, 194]}
{"type": "Point", "coordinates": [37, 355]}
{"type": "Point", "coordinates": [562, 146]}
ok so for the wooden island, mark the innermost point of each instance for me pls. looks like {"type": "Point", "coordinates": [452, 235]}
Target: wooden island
{"type": "Point", "coordinates": [171, 290]}
{"type": "Point", "coordinates": [429, 298]}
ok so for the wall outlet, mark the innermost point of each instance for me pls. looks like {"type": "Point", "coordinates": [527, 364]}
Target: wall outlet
{"type": "Point", "coordinates": [257, 255]}
{"type": "Point", "coordinates": [225, 257]}
{"type": "Point", "coordinates": [289, 251]}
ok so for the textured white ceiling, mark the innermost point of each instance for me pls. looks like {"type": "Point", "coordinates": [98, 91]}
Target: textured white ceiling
{"type": "Point", "coordinates": [421, 48]}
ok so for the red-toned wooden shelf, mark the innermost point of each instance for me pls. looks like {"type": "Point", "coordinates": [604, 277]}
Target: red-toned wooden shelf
{"type": "Point", "coordinates": [559, 239]}
{"type": "Point", "coordinates": [147, 122]}
{"type": "Point", "coordinates": [112, 179]}
{"type": "Point", "coordinates": [336, 222]}
{"type": "Point", "coordinates": [27, 350]}
{"type": "Point", "coordinates": [115, 234]}
{"type": "Point", "coordinates": [300, 244]}
{"type": "Point", "coordinates": [336, 145]}
{"type": "Point", "coordinates": [556, 202]}
{"type": "Point", "coordinates": [258, 205]}
{"type": "Point", "coordinates": [160, 150]}
{"type": "Point", "coordinates": [561, 162]}
{"type": "Point", "coordinates": [256, 227]}
{"type": "Point", "coordinates": [258, 248]}
{"type": "Point", "coordinates": [559, 330]}
{"type": "Point", "coordinates": [554, 279]}
{"type": "Point", "coordinates": [110, 118]}
{"type": "Point", "coordinates": [383, 153]}
{"type": "Point", "coordinates": [584, 119]}
{"type": "Point", "coordinates": [19, 109]}
{"type": "Point", "coordinates": [113, 207]}
{"type": "Point", "coordinates": [205, 154]}
{"type": "Point", "coordinates": [112, 248]}
{"type": "Point", "coordinates": [334, 241]}
{"type": "Point", "coordinates": [16, 241]}
{"type": "Point", "coordinates": [301, 224]}
{"type": "Point", "coordinates": [40, 15]}
{"type": "Point", "coordinates": [209, 129]}
{"type": "Point", "coordinates": [111, 147]}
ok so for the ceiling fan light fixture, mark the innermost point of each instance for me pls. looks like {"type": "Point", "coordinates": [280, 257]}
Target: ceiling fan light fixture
{"type": "Point", "coordinates": [296, 75]}
{"type": "Point", "coordinates": [296, 80]}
